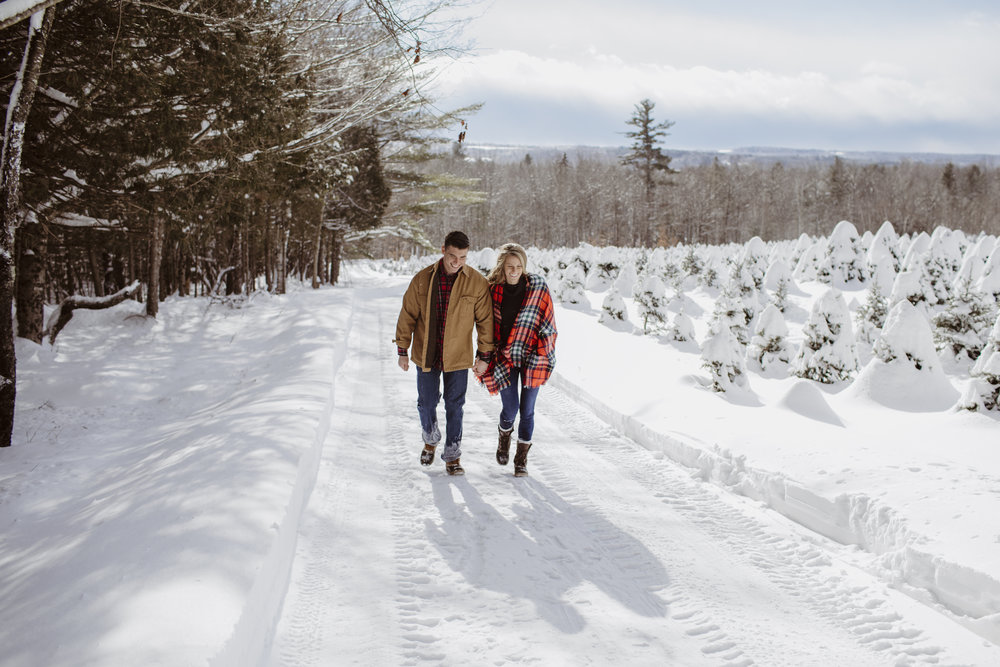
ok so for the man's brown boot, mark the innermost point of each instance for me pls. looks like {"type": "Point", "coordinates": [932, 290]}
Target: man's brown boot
{"type": "Point", "coordinates": [427, 455]}
{"type": "Point", "coordinates": [454, 467]}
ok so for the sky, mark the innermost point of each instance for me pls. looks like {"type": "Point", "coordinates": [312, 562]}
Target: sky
{"type": "Point", "coordinates": [898, 75]}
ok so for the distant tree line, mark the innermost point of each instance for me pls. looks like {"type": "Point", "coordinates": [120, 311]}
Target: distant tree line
{"type": "Point", "coordinates": [644, 202]}
{"type": "Point", "coordinates": [565, 202]}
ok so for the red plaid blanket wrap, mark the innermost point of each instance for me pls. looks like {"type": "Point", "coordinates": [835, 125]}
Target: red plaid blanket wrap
{"type": "Point", "coordinates": [531, 345]}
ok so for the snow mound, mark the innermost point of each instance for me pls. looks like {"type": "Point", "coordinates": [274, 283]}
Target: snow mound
{"type": "Point", "coordinates": [806, 400]}
{"type": "Point", "coordinates": [903, 387]}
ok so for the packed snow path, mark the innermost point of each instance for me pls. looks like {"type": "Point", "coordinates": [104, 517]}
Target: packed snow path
{"type": "Point", "coordinates": [607, 554]}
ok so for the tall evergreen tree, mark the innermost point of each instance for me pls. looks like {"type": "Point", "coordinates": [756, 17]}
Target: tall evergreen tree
{"type": "Point", "coordinates": [646, 154]}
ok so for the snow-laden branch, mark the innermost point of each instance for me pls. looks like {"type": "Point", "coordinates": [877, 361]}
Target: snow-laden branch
{"type": "Point", "coordinates": [63, 313]}
{"type": "Point", "coordinates": [14, 11]}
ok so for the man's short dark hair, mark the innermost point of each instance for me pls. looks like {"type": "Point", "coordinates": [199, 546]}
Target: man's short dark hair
{"type": "Point", "coordinates": [457, 240]}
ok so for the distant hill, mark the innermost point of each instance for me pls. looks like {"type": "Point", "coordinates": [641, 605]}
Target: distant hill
{"type": "Point", "coordinates": [754, 154]}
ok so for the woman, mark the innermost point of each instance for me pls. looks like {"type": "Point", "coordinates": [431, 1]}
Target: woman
{"type": "Point", "coordinates": [524, 329]}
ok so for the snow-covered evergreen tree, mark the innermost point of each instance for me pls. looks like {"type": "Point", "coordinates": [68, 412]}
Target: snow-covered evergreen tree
{"type": "Point", "coordinates": [912, 285]}
{"type": "Point", "coordinates": [651, 301]}
{"type": "Point", "coordinates": [604, 271]}
{"type": "Point", "coordinates": [907, 338]}
{"type": "Point", "coordinates": [871, 315]}
{"type": "Point", "coordinates": [828, 351]}
{"type": "Point", "coordinates": [882, 272]}
{"type": "Point", "coordinates": [989, 280]}
{"type": "Point", "coordinates": [885, 248]}
{"type": "Point", "coordinates": [692, 264]}
{"type": "Point", "coordinates": [755, 261]}
{"type": "Point", "coordinates": [984, 387]}
{"type": "Point", "coordinates": [722, 356]}
{"type": "Point", "coordinates": [570, 289]}
{"type": "Point", "coordinates": [802, 244]}
{"type": "Point", "coordinates": [964, 325]}
{"type": "Point", "coordinates": [807, 268]}
{"type": "Point", "coordinates": [730, 314]}
{"type": "Point", "coordinates": [770, 347]}
{"type": "Point", "coordinates": [944, 258]}
{"type": "Point", "coordinates": [905, 372]}
{"type": "Point", "coordinates": [682, 329]}
{"type": "Point", "coordinates": [742, 286]}
{"type": "Point", "coordinates": [778, 278]}
{"type": "Point", "coordinates": [613, 308]}
{"type": "Point", "coordinates": [625, 282]}
{"type": "Point", "coordinates": [844, 261]}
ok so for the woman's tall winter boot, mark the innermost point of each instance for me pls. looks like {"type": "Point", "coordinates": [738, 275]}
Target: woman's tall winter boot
{"type": "Point", "coordinates": [521, 459]}
{"type": "Point", "coordinates": [503, 446]}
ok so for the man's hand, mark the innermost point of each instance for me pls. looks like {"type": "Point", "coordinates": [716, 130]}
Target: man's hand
{"type": "Point", "coordinates": [404, 362]}
{"type": "Point", "coordinates": [479, 368]}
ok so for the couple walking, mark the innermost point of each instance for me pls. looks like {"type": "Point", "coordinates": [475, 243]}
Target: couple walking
{"type": "Point", "coordinates": [510, 307]}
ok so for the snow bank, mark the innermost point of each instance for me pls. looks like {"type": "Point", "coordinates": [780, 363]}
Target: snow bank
{"type": "Point", "coordinates": [856, 519]}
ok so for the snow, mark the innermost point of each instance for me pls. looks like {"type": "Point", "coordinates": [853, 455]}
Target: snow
{"type": "Point", "coordinates": [236, 483]}
{"type": "Point", "coordinates": [12, 8]}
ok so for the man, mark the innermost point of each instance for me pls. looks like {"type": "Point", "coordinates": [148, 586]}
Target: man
{"type": "Point", "coordinates": [440, 307]}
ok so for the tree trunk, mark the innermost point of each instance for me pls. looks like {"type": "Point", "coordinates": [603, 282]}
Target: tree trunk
{"type": "Point", "coordinates": [282, 260]}
{"type": "Point", "coordinates": [21, 96]}
{"type": "Point", "coordinates": [96, 267]}
{"type": "Point", "coordinates": [30, 284]}
{"type": "Point", "coordinates": [155, 259]}
{"type": "Point", "coordinates": [316, 255]}
{"type": "Point", "coordinates": [335, 247]}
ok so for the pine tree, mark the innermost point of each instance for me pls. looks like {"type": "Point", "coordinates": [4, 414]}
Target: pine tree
{"type": "Point", "coordinates": [682, 329]}
{"type": "Point", "coordinates": [652, 305]}
{"type": "Point", "coordinates": [570, 290]}
{"type": "Point", "coordinates": [964, 325]}
{"type": "Point", "coordinates": [729, 313]}
{"type": "Point", "coordinates": [871, 314]}
{"type": "Point", "coordinates": [613, 308]}
{"type": "Point", "coordinates": [828, 352]}
{"type": "Point", "coordinates": [722, 356]}
{"type": "Point", "coordinates": [770, 346]}
{"type": "Point", "coordinates": [646, 154]}
{"type": "Point", "coordinates": [984, 388]}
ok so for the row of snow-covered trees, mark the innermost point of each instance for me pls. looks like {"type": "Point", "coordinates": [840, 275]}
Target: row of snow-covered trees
{"type": "Point", "coordinates": [924, 299]}
{"type": "Point", "coordinates": [595, 200]}
{"type": "Point", "coordinates": [203, 145]}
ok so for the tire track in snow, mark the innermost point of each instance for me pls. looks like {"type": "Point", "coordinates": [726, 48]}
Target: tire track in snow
{"type": "Point", "coordinates": [327, 604]}
{"type": "Point", "coordinates": [422, 581]}
{"type": "Point", "coordinates": [849, 601]}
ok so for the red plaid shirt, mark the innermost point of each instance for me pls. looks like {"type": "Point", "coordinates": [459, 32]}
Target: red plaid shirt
{"type": "Point", "coordinates": [445, 283]}
{"type": "Point", "coordinates": [531, 344]}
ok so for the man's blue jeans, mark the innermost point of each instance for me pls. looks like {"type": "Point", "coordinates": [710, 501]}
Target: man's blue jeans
{"type": "Point", "coordinates": [513, 403]}
{"type": "Point", "coordinates": [428, 396]}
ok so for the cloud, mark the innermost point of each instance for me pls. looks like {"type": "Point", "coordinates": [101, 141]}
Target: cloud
{"type": "Point", "coordinates": [874, 71]}
{"type": "Point", "coordinates": [879, 91]}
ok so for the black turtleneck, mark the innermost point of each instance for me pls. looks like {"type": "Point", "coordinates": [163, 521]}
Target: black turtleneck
{"type": "Point", "coordinates": [510, 306]}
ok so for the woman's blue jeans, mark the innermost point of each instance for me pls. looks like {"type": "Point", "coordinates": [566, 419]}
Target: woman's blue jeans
{"type": "Point", "coordinates": [428, 396]}
{"type": "Point", "coordinates": [517, 399]}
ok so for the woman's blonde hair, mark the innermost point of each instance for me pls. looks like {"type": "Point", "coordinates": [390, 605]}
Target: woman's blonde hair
{"type": "Point", "coordinates": [496, 276]}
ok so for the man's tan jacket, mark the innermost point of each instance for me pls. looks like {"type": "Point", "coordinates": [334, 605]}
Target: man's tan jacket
{"type": "Point", "coordinates": [470, 304]}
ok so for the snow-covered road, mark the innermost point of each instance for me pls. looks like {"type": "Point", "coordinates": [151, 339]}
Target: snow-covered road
{"type": "Point", "coordinates": [608, 553]}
